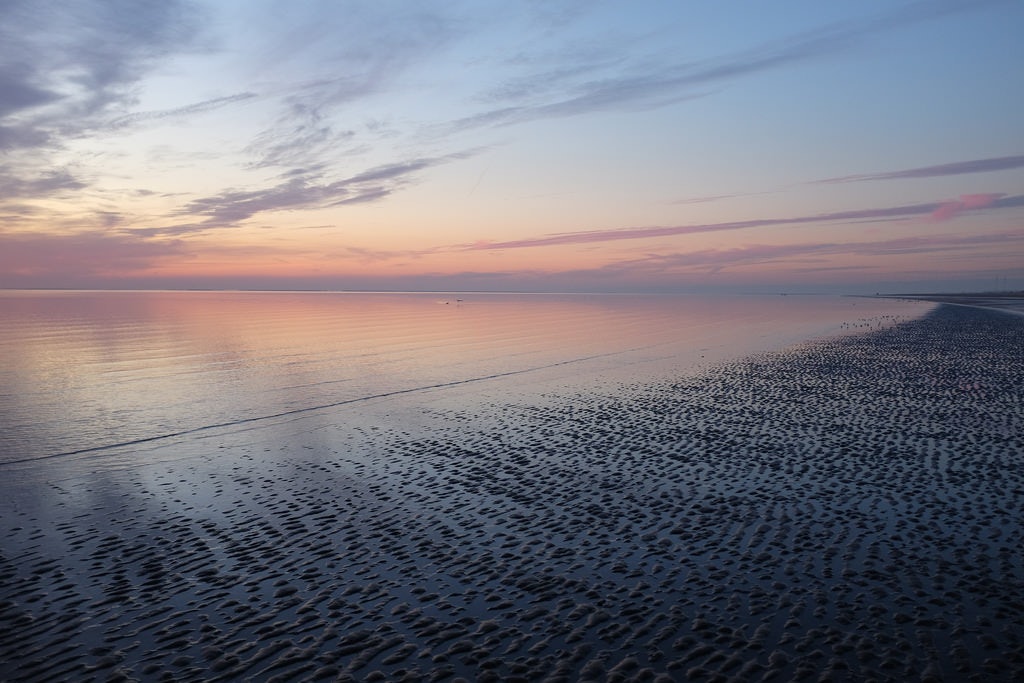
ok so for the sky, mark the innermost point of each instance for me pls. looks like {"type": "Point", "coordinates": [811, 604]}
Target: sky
{"type": "Point", "coordinates": [522, 145]}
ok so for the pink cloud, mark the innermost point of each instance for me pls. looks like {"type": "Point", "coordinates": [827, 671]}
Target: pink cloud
{"type": "Point", "coordinates": [951, 208]}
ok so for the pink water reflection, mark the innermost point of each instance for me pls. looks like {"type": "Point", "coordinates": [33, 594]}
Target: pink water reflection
{"type": "Point", "coordinates": [83, 370]}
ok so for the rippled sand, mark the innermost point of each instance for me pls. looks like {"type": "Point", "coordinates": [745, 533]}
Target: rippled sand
{"type": "Point", "coordinates": [846, 510]}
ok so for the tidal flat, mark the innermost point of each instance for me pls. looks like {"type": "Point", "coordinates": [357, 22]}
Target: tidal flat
{"type": "Point", "coordinates": [849, 508]}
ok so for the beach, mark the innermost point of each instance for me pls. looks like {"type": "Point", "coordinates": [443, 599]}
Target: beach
{"type": "Point", "coordinates": [850, 508]}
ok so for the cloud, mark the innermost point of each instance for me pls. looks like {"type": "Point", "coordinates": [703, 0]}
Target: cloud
{"type": "Point", "coordinates": [653, 85]}
{"type": "Point", "coordinates": [342, 52]}
{"type": "Point", "coordinates": [49, 183]}
{"type": "Point", "coordinates": [58, 258]}
{"type": "Point", "coordinates": [967, 203]}
{"type": "Point", "coordinates": [751, 265]}
{"type": "Point", "coordinates": [717, 197]}
{"type": "Point", "coordinates": [396, 170]}
{"type": "Point", "coordinates": [1014, 201]}
{"type": "Point", "coordinates": [65, 65]}
{"type": "Point", "coordinates": [17, 92]}
{"type": "Point", "coordinates": [196, 108]}
{"type": "Point", "coordinates": [301, 189]}
{"type": "Point", "coordinates": [301, 136]}
{"type": "Point", "coordinates": [717, 260]}
{"type": "Point", "coordinates": [65, 69]}
{"type": "Point", "coordinates": [378, 255]}
{"type": "Point", "coordinates": [955, 168]}
{"type": "Point", "coordinates": [22, 137]}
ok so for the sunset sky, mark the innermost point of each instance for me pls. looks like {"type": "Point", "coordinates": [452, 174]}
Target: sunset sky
{"type": "Point", "coordinates": [532, 145]}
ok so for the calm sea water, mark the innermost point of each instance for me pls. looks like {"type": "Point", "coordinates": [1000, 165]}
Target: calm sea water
{"type": "Point", "coordinates": [85, 372]}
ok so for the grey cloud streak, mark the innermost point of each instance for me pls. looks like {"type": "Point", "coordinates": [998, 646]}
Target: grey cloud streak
{"type": "Point", "coordinates": [954, 168]}
{"type": "Point", "coordinates": [594, 236]}
{"type": "Point", "coordinates": [65, 69]}
{"type": "Point", "coordinates": [197, 108]}
{"type": "Point", "coordinates": [693, 268]}
{"type": "Point", "coordinates": [43, 185]}
{"type": "Point", "coordinates": [66, 64]}
{"type": "Point", "coordinates": [300, 190]}
{"type": "Point", "coordinates": [716, 260]}
{"type": "Point", "coordinates": [645, 85]}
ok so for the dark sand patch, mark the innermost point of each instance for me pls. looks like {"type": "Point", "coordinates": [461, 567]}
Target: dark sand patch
{"type": "Point", "coordinates": [851, 509]}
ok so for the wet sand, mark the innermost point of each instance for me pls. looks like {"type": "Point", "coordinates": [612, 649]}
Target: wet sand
{"type": "Point", "coordinates": [850, 509]}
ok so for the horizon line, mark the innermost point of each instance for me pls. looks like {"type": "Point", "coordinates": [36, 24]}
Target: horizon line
{"type": "Point", "coordinates": [1005, 292]}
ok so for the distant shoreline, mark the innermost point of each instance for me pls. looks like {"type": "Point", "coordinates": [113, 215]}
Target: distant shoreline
{"type": "Point", "coordinates": [1003, 301]}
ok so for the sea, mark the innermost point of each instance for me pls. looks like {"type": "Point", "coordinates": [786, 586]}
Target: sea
{"type": "Point", "coordinates": [111, 378]}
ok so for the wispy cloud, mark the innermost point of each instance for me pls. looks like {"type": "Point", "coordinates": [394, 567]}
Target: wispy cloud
{"type": "Point", "coordinates": [379, 255]}
{"type": "Point", "coordinates": [717, 260]}
{"type": "Point", "coordinates": [755, 263]}
{"type": "Point", "coordinates": [891, 212]}
{"type": "Point", "coordinates": [65, 70]}
{"type": "Point", "coordinates": [345, 52]}
{"type": "Point", "coordinates": [302, 136]}
{"type": "Point", "coordinates": [717, 197]}
{"type": "Point", "coordinates": [647, 84]}
{"type": "Point", "coordinates": [299, 190]}
{"type": "Point", "coordinates": [954, 168]}
{"type": "Point", "coordinates": [1011, 202]}
{"type": "Point", "coordinates": [178, 112]}
{"type": "Point", "coordinates": [65, 67]}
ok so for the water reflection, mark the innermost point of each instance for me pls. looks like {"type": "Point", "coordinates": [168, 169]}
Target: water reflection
{"type": "Point", "coordinates": [87, 369]}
